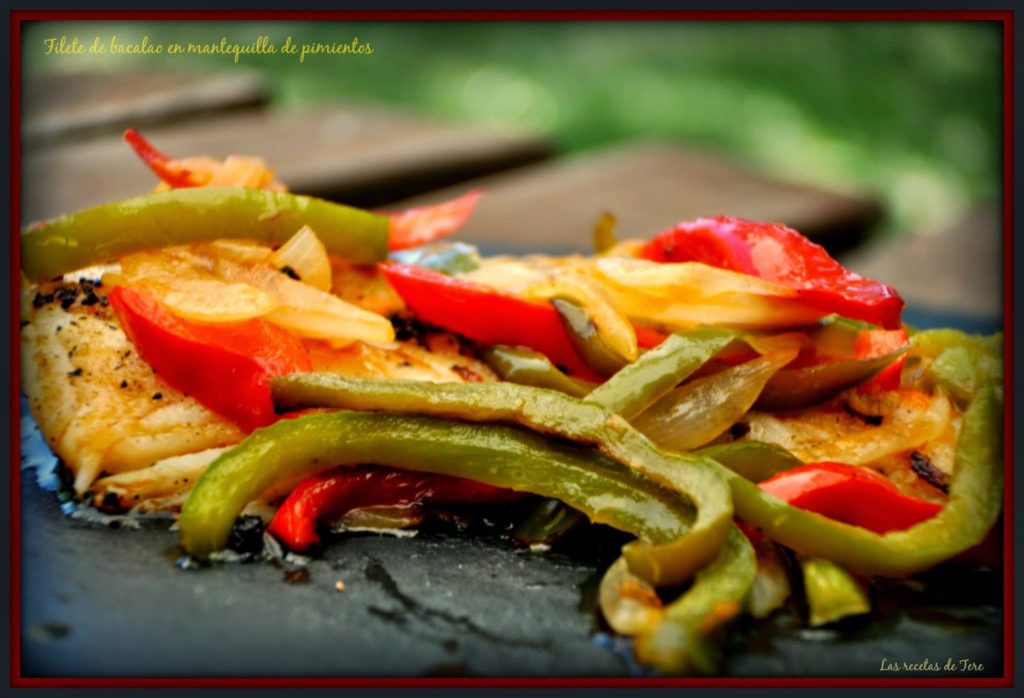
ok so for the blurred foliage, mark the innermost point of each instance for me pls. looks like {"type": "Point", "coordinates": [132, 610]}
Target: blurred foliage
{"type": "Point", "coordinates": [911, 111]}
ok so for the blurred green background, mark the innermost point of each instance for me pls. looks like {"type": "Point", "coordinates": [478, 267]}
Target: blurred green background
{"type": "Point", "coordinates": [910, 111]}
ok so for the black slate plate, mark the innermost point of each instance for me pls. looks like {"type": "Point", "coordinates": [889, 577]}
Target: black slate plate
{"type": "Point", "coordinates": [103, 602]}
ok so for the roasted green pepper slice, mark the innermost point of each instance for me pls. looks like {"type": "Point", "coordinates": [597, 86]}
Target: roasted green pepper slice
{"type": "Point", "coordinates": [676, 638]}
{"type": "Point", "coordinates": [798, 388]}
{"type": "Point", "coordinates": [551, 520]}
{"type": "Point", "coordinates": [754, 460]}
{"type": "Point", "coordinates": [643, 382]}
{"type": "Point", "coordinates": [975, 500]}
{"type": "Point", "coordinates": [586, 338]}
{"type": "Point", "coordinates": [832, 594]}
{"type": "Point", "coordinates": [181, 216]}
{"type": "Point", "coordinates": [960, 363]}
{"type": "Point", "coordinates": [527, 367]}
{"type": "Point", "coordinates": [555, 414]}
{"type": "Point", "coordinates": [278, 456]}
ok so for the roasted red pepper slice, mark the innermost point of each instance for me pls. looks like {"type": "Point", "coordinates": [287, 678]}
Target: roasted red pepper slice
{"type": "Point", "coordinates": [332, 494]}
{"type": "Point", "coordinates": [418, 226]}
{"type": "Point", "coordinates": [160, 163]}
{"type": "Point", "coordinates": [850, 494]}
{"type": "Point", "coordinates": [781, 255]}
{"type": "Point", "coordinates": [874, 343]}
{"type": "Point", "coordinates": [226, 367]}
{"type": "Point", "coordinates": [484, 314]}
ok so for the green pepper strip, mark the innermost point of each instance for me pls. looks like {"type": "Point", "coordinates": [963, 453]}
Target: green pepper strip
{"type": "Point", "coordinates": [182, 216]}
{"type": "Point", "coordinates": [832, 594]}
{"type": "Point", "coordinates": [640, 384]}
{"type": "Point", "coordinates": [555, 414]}
{"type": "Point", "coordinates": [962, 363]}
{"type": "Point", "coordinates": [679, 644]}
{"type": "Point", "coordinates": [551, 520]}
{"type": "Point", "coordinates": [586, 338]}
{"type": "Point", "coordinates": [674, 638]}
{"type": "Point", "coordinates": [754, 460]}
{"type": "Point", "coordinates": [975, 499]}
{"type": "Point", "coordinates": [528, 367]}
{"type": "Point", "coordinates": [799, 388]}
{"type": "Point", "coordinates": [503, 456]}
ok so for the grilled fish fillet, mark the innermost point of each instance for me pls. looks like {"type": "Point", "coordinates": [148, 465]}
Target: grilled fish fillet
{"type": "Point", "coordinates": [107, 414]}
{"type": "Point", "coordinates": [101, 408]}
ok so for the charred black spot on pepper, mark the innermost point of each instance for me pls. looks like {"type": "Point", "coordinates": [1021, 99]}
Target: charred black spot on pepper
{"type": "Point", "coordinates": [926, 470]}
{"type": "Point", "coordinates": [288, 271]}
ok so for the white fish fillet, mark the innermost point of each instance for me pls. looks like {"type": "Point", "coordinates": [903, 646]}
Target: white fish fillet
{"type": "Point", "coordinates": [111, 418]}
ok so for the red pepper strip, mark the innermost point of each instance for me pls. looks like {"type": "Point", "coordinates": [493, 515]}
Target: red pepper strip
{"type": "Point", "coordinates": [853, 495]}
{"type": "Point", "coordinates": [160, 163]}
{"type": "Point", "coordinates": [485, 315]}
{"type": "Point", "coordinates": [781, 255]}
{"type": "Point", "coordinates": [647, 338]}
{"type": "Point", "coordinates": [418, 226]}
{"type": "Point", "coordinates": [331, 494]}
{"type": "Point", "coordinates": [870, 344]}
{"type": "Point", "coordinates": [226, 367]}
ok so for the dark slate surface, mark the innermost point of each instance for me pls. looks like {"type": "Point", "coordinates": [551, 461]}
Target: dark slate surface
{"type": "Point", "coordinates": [103, 602]}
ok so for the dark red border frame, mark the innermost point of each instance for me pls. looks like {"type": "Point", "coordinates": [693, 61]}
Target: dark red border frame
{"type": "Point", "coordinates": [1005, 17]}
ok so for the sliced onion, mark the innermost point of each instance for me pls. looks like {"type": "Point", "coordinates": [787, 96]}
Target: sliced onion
{"type": "Point", "coordinates": [310, 312]}
{"type": "Point", "coordinates": [697, 412]}
{"type": "Point", "coordinates": [679, 296]}
{"type": "Point", "coordinates": [629, 604]}
{"type": "Point", "coordinates": [306, 255]}
{"type": "Point", "coordinates": [543, 281]}
{"type": "Point", "coordinates": [214, 301]}
{"type": "Point", "coordinates": [828, 436]}
{"type": "Point", "coordinates": [183, 282]}
{"type": "Point", "coordinates": [244, 251]}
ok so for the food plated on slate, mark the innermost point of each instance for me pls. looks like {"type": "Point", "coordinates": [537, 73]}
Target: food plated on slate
{"type": "Point", "coordinates": [754, 416]}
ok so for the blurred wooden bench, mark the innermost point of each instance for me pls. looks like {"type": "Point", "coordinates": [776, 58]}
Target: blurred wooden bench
{"type": "Point", "coordinates": [649, 187]}
{"type": "Point", "coordinates": [957, 270]}
{"type": "Point", "coordinates": [66, 106]}
{"type": "Point", "coordinates": [73, 157]}
{"type": "Point", "coordinates": [358, 154]}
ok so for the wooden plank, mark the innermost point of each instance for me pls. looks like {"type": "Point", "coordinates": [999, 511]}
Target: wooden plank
{"type": "Point", "coordinates": [63, 106]}
{"type": "Point", "coordinates": [958, 269]}
{"type": "Point", "coordinates": [649, 187]}
{"type": "Point", "coordinates": [358, 154]}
